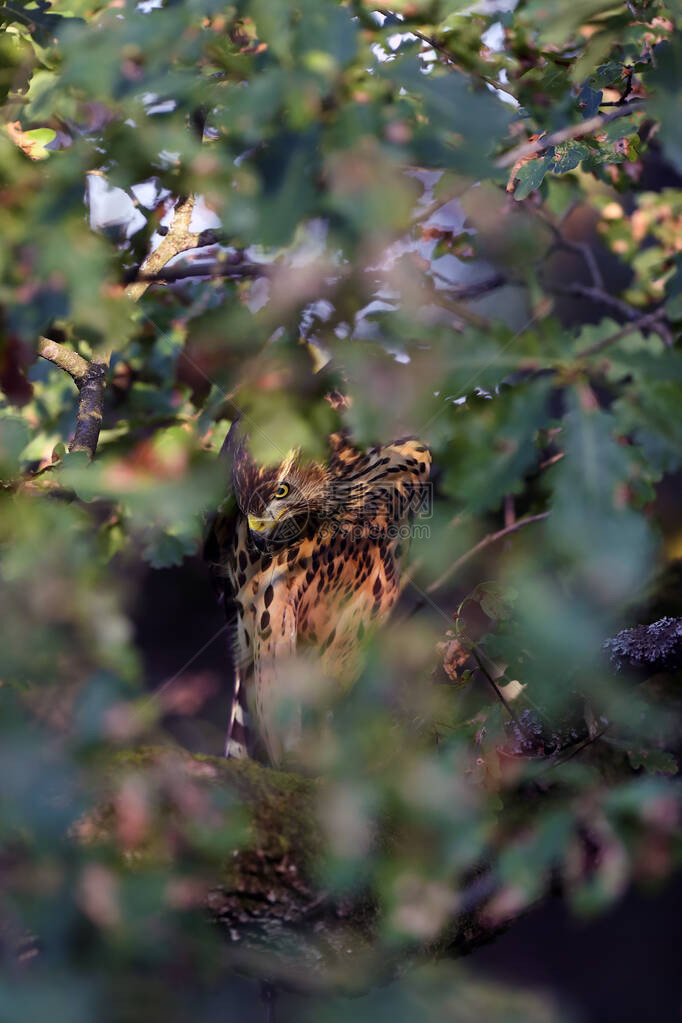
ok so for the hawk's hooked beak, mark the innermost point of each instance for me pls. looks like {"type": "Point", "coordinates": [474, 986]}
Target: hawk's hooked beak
{"type": "Point", "coordinates": [257, 525]}
{"type": "Point", "coordinates": [263, 530]}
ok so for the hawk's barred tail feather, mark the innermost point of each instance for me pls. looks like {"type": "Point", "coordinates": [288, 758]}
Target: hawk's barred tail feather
{"type": "Point", "coordinates": [238, 738]}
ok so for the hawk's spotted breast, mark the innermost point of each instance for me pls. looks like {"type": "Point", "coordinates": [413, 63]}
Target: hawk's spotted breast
{"type": "Point", "coordinates": [310, 556]}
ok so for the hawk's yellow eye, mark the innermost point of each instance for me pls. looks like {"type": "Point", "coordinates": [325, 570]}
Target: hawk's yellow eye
{"type": "Point", "coordinates": [282, 491]}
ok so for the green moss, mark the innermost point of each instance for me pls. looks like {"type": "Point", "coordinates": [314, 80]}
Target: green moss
{"type": "Point", "coordinates": [280, 805]}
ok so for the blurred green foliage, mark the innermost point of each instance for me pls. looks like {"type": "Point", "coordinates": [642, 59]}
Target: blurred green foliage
{"type": "Point", "coordinates": [371, 234]}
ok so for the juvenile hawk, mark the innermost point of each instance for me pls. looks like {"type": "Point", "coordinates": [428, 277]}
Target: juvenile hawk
{"type": "Point", "coordinates": [309, 555]}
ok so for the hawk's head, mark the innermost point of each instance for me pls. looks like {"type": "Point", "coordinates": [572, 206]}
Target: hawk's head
{"type": "Point", "coordinates": [353, 490]}
{"type": "Point", "coordinates": [281, 501]}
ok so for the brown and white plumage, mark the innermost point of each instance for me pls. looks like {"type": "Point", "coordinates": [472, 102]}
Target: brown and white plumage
{"type": "Point", "coordinates": [309, 557]}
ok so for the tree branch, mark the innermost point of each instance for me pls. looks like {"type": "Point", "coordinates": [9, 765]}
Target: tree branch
{"type": "Point", "coordinates": [481, 545]}
{"type": "Point", "coordinates": [445, 52]}
{"type": "Point", "coordinates": [71, 362]}
{"type": "Point", "coordinates": [651, 320]}
{"type": "Point", "coordinates": [219, 268]}
{"type": "Point", "coordinates": [90, 407]}
{"type": "Point", "coordinates": [493, 684]}
{"type": "Point", "coordinates": [477, 288]}
{"type": "Point", "coordinates": [573, 131]}
{"type": "Point", "coordinates": [91, 377]}
{"type": "Point", "coordinates": [265, 892]}
{"type": "Point", "coordinates": [263, 889]}
{"type": "Point", "coordinates": [595, 294]}
{"type": "Point", "coordinates": [582, 248]}
{"type": "Point", "coordinates": [178, 239]}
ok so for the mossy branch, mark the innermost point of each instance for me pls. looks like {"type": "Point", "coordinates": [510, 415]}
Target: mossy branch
{"type": "Point", "coordinates": [266, 895]}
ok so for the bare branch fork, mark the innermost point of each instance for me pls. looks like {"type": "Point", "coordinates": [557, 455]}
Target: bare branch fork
{"type": "Point", "coordinates": [178, 239]}
{"type": "Point", "coordinates": [583, 248]}
{"type": "Point", "coordinates": [90, 377]}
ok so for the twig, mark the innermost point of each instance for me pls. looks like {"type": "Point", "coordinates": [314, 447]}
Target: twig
{"type": "Point", "coordinates": [268, 995]}
{"type": "Point", "coordinates": [596, 291]}
{"type": "Point", "coordinates": [444, 51]}
{"type": "Point", "coordinates": [573, 131]}
{"type": "Point", "coordinates": [624, 308]}
{"type": "Point", "coordinates": [596, 295]}
{"type": "Point", "coordinates": [428, 211]}
{"type": "Point", "coordinates": [454, 305]}
{"type": "Point", "coordinates": [623, 98]}
{"type": "Point", "coordinates": [551, 461]}
{"type": "Point", "coordinates": [577, 749]}
{"type": "Point", "coordinates": [71, 362]}
{"type": "Point", "coordinates": [585, 249]}
{"type": "Point", "coordinates": [566, 215]}
{"type": "Point", "coordinates": [582, 248]}
{"type": "Point", "coordinates": [220, 268]}
{"type": "Point", "coordinates": [650, 320]}
{"type": "Point", "coordinates": [90, 379]}
{"type": "Point", "coordinates": [485, 542]}
{"type": "Point", "coordinates": [91, 402]}
{"type": "Point", "coordinates": [13, 15]}
{"type": "Point", "coordinates": [500, 695]}
{"type": "Point", "coordinates": [509, 510]}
